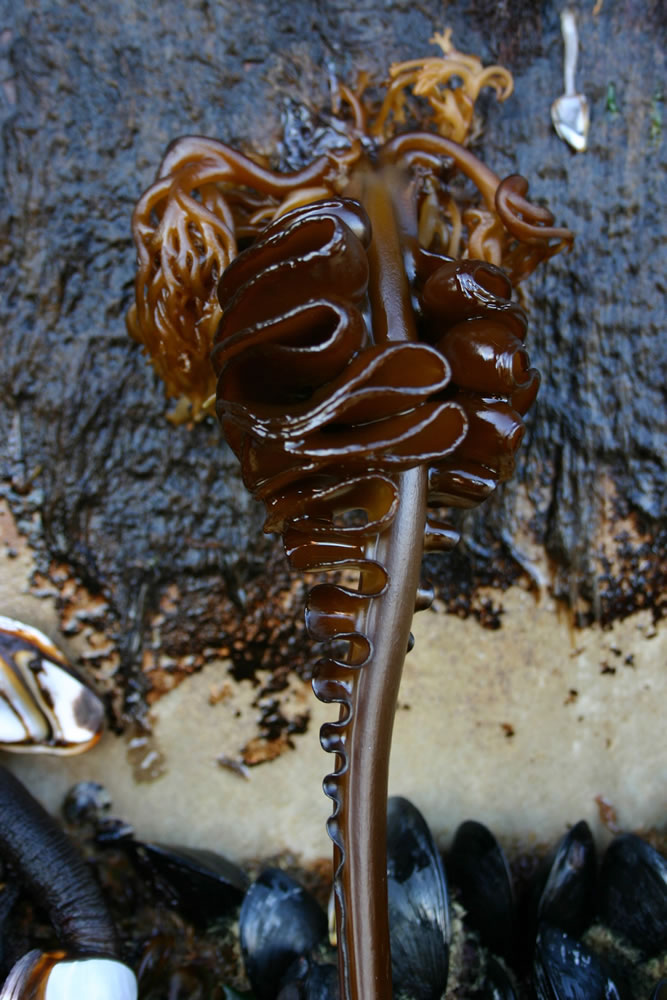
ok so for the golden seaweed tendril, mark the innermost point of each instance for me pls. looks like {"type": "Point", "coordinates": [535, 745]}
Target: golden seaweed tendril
{"type": "Point", "coordinates": [450, 83]}
{"type": "Point", "coordinates": [186, 227]}
{"type": "Point", "coordinates": [370, 367]}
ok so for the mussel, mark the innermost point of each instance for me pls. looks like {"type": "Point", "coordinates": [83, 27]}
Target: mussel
{"type": "Point", "coordinates": [204, 884]}
{"type": "Point", "coordinates": [478, 867]}
{"type": "Point", "coordinates": [309, 980]}
{"type": "Point", "coordinates": [498, 984]}
{"type": "Point", "coordinates": [633, 893]}
{"type": "Point", "coordinates": [279, 923]}
{"type": "Point", "coordinates": [86, 803]}
{"type": "Point", "coordinates": [419, 922]}
{"type": "Point", "coordinates": [44, 706]}
{"type": "Point", "coordinates": [564, 969]}
{"type": "Point", "coordinates": [565, 883]}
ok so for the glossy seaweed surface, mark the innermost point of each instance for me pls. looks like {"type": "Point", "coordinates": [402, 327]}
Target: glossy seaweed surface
{"type": "Point", "coordinates": [370, 370]}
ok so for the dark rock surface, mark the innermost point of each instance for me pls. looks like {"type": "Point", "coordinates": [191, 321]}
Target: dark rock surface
{"type": "Point", "coordinates": [91, 94]}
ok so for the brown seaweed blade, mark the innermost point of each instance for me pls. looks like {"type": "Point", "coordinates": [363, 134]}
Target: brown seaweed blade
{"type": "Point", "coordinates": [328, 414]}
{"type": "Point", "coordinates": [377, 425]}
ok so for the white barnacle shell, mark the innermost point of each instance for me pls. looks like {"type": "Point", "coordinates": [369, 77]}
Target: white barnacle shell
{"type": "Point", "coordinates": [53, 976]}
{"type": "Point", "coordinates": [93, 978]}
{"type": "Point", "coordinates": [44, 706]}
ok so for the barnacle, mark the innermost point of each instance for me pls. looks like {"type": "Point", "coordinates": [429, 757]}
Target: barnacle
{"type": "Point", "coordinates": [54, 873]}
{"type": "Point", "coordinates": [370, 366]}
{"type": "Point", "coordinates": [44, 706]}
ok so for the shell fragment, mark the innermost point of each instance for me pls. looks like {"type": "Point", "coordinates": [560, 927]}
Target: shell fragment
{"type": "Point", "coordinates": [570, 112]}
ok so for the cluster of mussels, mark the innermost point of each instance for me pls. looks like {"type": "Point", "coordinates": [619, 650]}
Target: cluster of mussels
{"type": "Point", "coordinates": [573, 930]}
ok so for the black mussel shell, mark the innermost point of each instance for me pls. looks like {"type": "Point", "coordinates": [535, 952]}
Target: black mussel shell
{"type": "Point", "coordinates": [418, 905]}
{"type": "Point", "coordinates": [205, 885]}
{"type": "Point", "coordinates": [633, 893]}
{"type": "Point", "coordinates": [660, 991]}
{"type": "Point", "coordinates": [115, 832]}
{"type": "Point", "coordinates": [279, 922]}
{"type": "Point", "coordinates": [564, 969]}
{"type": "Point", "coordinates": [477, 865]}
{"type": "Point", "coordinates": [498, 984]}
{"type": "Point", "coordinates": [308, 980]}
{"type": "Point", "coordinates": [86, 802]}
{"type": "Point", "coordinates": [565, 883]}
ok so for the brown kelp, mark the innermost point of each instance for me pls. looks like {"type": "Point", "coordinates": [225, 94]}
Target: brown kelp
{"type": "Point", "coordinates": [367, 368]}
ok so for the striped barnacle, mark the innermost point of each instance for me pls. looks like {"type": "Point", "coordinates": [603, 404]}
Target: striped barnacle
{"type": "Point", "coordinates": [370, 367]}
{"type": "Point", "coordinates": [44, 706]}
